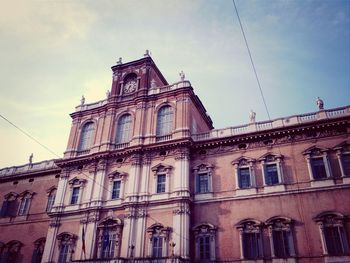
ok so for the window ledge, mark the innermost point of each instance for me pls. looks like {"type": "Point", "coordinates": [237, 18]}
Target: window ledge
{"type": "Point", "coordinates": [334, 259]}
{"type": "Point", "coordinates": [322, 183]}
{"type": "Point", "coordinates": [346, 180]}
{"type": "Point", "coordinates": [203, 196]}
{"type": "Point", "coordinates": [246, 191]}
{"type": "Point", "coordinates": [252, 261]}
{"type": "Point", "coordinates": [274, 188]}
{"type": "Point", "coordinates": [158, 196]}
{"type": "Point", "coordinates": [284, 260]}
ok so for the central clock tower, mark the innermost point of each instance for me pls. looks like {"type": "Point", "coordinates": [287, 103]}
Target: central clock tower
{"type": "Point", "coordinates": [135, 78]}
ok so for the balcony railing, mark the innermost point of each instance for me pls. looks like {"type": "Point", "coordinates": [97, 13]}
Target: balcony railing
{"type": "Point", "coordinates": [273, 124]}
{"type": "Point", "coordinates": [135, 260]}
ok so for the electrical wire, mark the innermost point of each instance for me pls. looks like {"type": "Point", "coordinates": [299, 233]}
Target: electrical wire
{"type": "Point", "coordinates": [300, 206]}
{"type": "Point", "coordinates": [86, 175]}
{"type": "Point", "coordinates": [252, 62]}
{"type": "Point", "coordinates": [29, 136]}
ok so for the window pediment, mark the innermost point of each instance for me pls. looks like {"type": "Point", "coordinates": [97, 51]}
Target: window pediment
{"type": "Point", "coordinates": [110, 221]}
{"type": "Point", "coordinates": [271, 157]}
{"type": "Point", "coordinates": [161, 168]}
{"type": "Point", "coordinates": [249, 225]}
{"type": "Point", "coordinates": [243, 161]}
{"type": "Point", "coordinates": [11, 196]}
{"type": "Point", "coordinates": [204, 228]}
{"type": "Point", "coordinates": [203, 168]}
{"type": "Point", "coordinates": [343, 147]}
{"type": "Point", "coordinates": [117, 175]}
{"type": "Point", "coordinates": [315, 151]}
{"type": "Point", "coordinates": [76, 182]}
{"type": "Point", "coordinates": [26, 193]}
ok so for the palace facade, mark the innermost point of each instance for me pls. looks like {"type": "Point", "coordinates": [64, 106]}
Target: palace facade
{"type": "Point", "coordinates": [146, 178]}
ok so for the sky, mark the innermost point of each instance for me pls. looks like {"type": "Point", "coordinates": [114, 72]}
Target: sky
{"type": "Point", "coordinates": [55, 51]}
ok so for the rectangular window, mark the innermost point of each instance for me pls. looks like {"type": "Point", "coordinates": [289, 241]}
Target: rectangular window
{"type": "Point", "coordinates": [251, 245]}
{"type": "Point", "coordinates": [157, 247]}
{"type": "Point", "coordinates": [281, 243]}
{"type": "Point", "coordinates": [345, 159]}
{"type": "Point", "coordinates": [333, 236]}
{"type": "Point", "coordinates": [203, 183]}
{"type": "Point", "coordinates": [318, 168]}
{"type": "Point", "coordinates": [161, 183]}
{"type": "Point", "coordinates": [116, 189]}
{"type": "Point", "coordinates": [271, 176]}
{"type": "Point", "coordinates": [204, 247]}
{"type": "Point", "coordinates": [75, 196]}
{"type": "Point", "coordinates": [244, 177]}
{"type": "Point", "coordinates": [108, 243]}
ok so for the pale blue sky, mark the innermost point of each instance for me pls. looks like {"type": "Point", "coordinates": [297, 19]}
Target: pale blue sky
{"type": "Point", "coordinates": [52, 52]}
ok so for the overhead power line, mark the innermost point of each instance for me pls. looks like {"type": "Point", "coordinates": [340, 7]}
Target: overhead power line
{"type": "Point", "coordinates": [251, 60]}
{"type": "Point", "coordinates": [29, 136]}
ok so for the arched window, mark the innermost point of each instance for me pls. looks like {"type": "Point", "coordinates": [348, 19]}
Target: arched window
{"type": "Point", "coordinates": [86, 136]}
{"type": "Point", "coordinates": [124, 129]}
{"type": "Point", "coordinates": [164, 121]}
{"type": "Point", "coordinates": [109, 238]}
{"type": "Point", "coordinates": [66, 243]}
{"type": "Point", "coordinates": [9, 206]}
{"type": "Point", "coordinates": [205, 242]}
{"type": "Point", "coordinates": [281, 238]}
{"type": "Point", "coordinates": [12, 252]}
{"type": "Point", "coordinates": [51, 199]}
{"type": "Point", "coordinates": [250, 239]}
{"type": "Point", "coordinates": [159, 239]}
{"type": "Point", "coordinates": [25, 203]}
{"type": "Point", "coordinates": [333, 235]}
{"type": "Point", "coordinates": [38, 250]}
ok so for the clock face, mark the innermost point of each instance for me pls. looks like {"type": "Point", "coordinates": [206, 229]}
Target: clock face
{"type": "Point", "coordinates": [130, 86]}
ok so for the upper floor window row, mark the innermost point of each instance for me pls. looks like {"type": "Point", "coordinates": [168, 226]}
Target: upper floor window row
{"type": "Point", "coordinates": [16, 205]}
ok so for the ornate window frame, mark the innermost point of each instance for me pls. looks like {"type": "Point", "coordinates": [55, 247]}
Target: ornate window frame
{"type": "Point", "coordinates": [316, 152]}
{"type": "Point", "coordinates": [76, 183]}
{"type": "Point", "coordinates": [9, 206]}
{"type": "Point", "coordinates": [51, 196]}
{"type": "Point", "coordinates": [333, 220]}
{"type": "Point", "coordinates": [244, 163]}
{"type": "Point", "coordinates": [158, 231]}
{"type": "Point", "coordinates": [66, 241]}
{"type": "Point", "coordinates": [277, 160]}
{"type": "Point", "coordinates": [109, 231]}
{"type": "Point", "coordinates": [113, 177]}
{"type": "Point", "coordinates": [13, 250]}
{"type": "Point", "coordinates": [38, 251]}
{"type": "Point", "coordinates": [205, 230]}
{"type": "Point", "coordinates": [250, 226]}
{"type": "Point", "coordinates": [284, 226]}
{"type": "Point", "coordinates": [24, 206]}
{"type": "Point", "coordinates": [161, 169]}
{"type": "Point", "coordinates": [342, 150]}
{"type": "Point", "coordinates": [203, 169]}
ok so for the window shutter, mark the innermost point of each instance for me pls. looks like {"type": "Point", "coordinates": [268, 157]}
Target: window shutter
{"type": "Point", "coordinates": [4, 209]}
{"type": "Point", "coordinates": [12, 208]}
{"type": "Point", "coordinates": [34, 256]}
